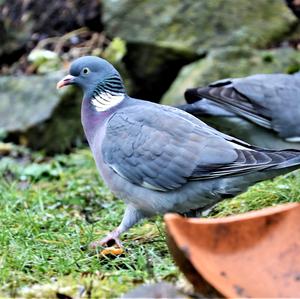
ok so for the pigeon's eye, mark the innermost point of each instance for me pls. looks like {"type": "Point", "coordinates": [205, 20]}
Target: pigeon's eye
{"type": "Point", "coordinates": [86, 70]}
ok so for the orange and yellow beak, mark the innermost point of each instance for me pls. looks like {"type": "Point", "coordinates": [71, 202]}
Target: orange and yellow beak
{"type": "Point", "coordinates": [67, 80]}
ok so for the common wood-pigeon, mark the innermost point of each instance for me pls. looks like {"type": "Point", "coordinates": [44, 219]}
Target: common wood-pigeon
{"type": "Point", "coordinates": [262, 109]}
{"type": "Point", "coordinates": [161, 159]}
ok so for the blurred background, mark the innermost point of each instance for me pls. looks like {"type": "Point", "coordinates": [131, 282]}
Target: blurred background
{"type": "Point", "coordinates": [52, 200]}
{"type": "Point", "coordinates": [160, 47]}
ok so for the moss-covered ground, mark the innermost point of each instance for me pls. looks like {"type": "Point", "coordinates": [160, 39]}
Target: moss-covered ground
{"type": "Point", "coordinates": [51, 208]}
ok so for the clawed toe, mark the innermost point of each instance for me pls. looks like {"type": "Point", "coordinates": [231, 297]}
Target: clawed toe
{"type": "Point", "coordinates": [109, 240]}
{"type": "Point", "coordinates": [103, 242]}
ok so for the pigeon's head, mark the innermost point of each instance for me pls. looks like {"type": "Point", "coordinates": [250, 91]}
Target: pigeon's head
{"type": "Point", "coordinates": [87, 72]}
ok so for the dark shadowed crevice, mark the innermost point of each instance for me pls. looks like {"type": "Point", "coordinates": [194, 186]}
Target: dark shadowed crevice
{"type": "Point", "coordinates": [153, 68]}
{"type": "Point", "coordinates": [294, 5]}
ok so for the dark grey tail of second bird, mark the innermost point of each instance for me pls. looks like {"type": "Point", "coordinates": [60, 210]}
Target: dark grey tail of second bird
{"type": "Point", "coordinates": [283, 159]}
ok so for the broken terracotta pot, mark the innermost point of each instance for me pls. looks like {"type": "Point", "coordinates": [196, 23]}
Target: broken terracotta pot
{"type": "Point", "coordinates": [256, 254]}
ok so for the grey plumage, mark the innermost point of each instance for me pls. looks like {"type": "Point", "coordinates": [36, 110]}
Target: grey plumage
{"type": "Point", "coordinates": [266, 105]}
{"type": "Point", "coordinates": [160, 159]}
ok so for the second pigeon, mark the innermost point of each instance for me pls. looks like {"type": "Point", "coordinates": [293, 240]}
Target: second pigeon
{"type": "Point", "coordinates": [262, 109]}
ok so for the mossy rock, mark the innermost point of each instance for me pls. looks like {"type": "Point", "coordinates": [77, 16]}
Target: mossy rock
{"type": "Point", "coordinates": [32, 112]}
{"type": "Point", "coordinates": [229, 63]}
{"type": "Point", "coordinates": [200, 25]}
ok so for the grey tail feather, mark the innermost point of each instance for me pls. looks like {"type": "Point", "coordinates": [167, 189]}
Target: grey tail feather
{"type": "Point", "coordinates": [283, 158]}
{"type": "Point", "coordinates": [232, 100]}
{"type": "Point", "coordinates": [191, 95]}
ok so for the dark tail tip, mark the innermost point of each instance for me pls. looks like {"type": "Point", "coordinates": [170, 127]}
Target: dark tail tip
{"type": "Point", "coordinates": [191, 95]}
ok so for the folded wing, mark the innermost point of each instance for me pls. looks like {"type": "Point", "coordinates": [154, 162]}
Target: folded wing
{"type": "Point", "coordinates": [270, 101]}
{"type": "Point", "coordinates": [162, 149]}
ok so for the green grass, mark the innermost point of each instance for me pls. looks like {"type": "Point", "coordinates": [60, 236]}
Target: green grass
{"type": "Point", "coordinates": [50, 209]}
{"type": "Point", "coordinates": [282, 189]}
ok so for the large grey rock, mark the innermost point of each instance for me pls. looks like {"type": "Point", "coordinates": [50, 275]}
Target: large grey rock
{"type": "Point", "coordinates": [155, 291]}
{"type": "Point", "coordinates": [197, 26]}
{"type": "Point", "coordinates": [163, 36]}
{"type": "Point", "coordinates": [33, 112]}
{"type": "Point", "coordinates": [231, 62]}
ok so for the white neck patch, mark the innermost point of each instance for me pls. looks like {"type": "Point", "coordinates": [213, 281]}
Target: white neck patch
{"type": "Point", "coordinates": [105, 100]}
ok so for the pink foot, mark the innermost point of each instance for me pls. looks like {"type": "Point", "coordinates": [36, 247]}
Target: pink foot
{"type": "Point", "coordinates": [109, 240]}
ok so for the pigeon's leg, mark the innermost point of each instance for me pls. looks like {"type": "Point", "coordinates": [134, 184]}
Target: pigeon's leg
{"type": "Point", "coordinates": [130, 218]}
{"type": "Point", "coordinates": [201, 212]}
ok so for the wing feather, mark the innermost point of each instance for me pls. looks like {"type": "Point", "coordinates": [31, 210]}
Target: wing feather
{"type": "Point", "coordinates": [164, 148]}
{"type": "Point", "coordinates": [268, 100]}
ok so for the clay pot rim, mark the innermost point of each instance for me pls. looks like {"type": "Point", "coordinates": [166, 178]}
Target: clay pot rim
{"type": "Point", "coordinates": [236, 218]}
